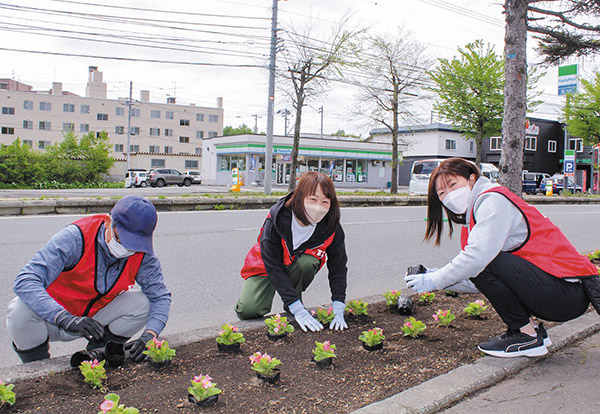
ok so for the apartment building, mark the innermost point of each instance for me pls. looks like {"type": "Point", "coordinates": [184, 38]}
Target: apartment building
{"type": "Point", "coordinates": [162, 134]}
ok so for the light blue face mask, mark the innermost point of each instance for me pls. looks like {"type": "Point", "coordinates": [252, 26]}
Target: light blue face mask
{"type": "Point", "coordinates": [117, 249]}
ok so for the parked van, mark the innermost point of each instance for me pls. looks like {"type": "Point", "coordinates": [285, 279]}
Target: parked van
{"type": "Point", "coordinates": [136, 178]}
{"type": "Point", "coordinates": [533, 182]}
{"type": "Point", "coordinates": [490, 171]}
{"type": "Point", "coordinates": [419, 175]}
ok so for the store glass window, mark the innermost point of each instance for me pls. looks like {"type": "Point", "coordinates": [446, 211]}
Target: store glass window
{"type": "Point", "coordinates": [350, 171]}
{"type": "Point", "coordinates": [224, 162]}
{"type": "Point", "coordinates": [325, 164]}
{"type": "Point", "coordinates": [338, 170]}
{"type": "Point", "coordinates": [313, 164]}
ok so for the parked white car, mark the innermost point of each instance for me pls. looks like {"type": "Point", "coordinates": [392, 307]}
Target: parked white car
{"type": "Point", "coordinates": [136, 178]}
{"type": "Point", "coordinates": [419, 175]}
{"type": "Point", "coordinates": [196, 176]}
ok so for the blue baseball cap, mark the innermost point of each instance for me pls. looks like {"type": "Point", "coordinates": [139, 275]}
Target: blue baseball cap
{"type": "Point", "coordinates": [135, 219]}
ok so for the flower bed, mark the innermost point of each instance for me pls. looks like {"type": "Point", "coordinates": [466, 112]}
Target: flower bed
{"type": "Point", "coordinates": [357, 378]}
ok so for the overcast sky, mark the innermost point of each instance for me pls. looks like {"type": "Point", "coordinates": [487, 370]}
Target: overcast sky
{"type": "Point", "coordinates": [223, 32]}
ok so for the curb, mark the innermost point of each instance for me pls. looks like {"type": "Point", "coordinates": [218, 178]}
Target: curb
{"type": "Point", "coordinates": [445, 390]}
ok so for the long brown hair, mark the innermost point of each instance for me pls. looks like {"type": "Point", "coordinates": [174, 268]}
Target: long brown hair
{"type": "Point", "coordinates": [452, 167]}
{"type": "Point", "coordinates": [307, 186]}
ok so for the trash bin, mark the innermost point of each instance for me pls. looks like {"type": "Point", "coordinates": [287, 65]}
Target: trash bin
{"type": "Point", "coordinates": [389, 184]}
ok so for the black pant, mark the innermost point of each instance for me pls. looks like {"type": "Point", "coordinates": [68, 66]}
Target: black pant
{"type": "Point", "coordinates": [518, 289]}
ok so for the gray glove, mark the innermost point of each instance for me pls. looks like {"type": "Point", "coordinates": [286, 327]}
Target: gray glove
{"type": "Point", "coordinates": [303, 317]}
{"type": "Point", "coordinates": [137, 346]}
{"type": "Point", "coordinates": [338, 323]}
{"type": "Point", "coordinates": [80, 325]}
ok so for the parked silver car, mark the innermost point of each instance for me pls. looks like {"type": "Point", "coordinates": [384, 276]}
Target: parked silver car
{"type": "Point", "coordinates": [160, 177]}
{"type": "Point", "coordinates": [196, 176]}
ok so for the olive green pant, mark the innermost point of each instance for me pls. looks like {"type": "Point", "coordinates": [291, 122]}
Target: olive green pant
{"type": "Point", "coordinates": [257, 294]}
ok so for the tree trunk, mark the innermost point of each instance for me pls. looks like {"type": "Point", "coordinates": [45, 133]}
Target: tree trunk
{"type": "Point", "coordinates": [296, 146]}
{"type": "Point", "coordinates": [515, 95]}
{"type": "Point", "coordinates": [478, 147]}
{"type": "Point", "coordinates": [394, 187]}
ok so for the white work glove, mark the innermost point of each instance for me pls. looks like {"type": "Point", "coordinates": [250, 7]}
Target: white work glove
{"type": "Point", "coordinates": [338, 323]}
{"type": "Point", "coordinates": [303, 317]}
{"type": "Point", "coordinates": [420, 283]}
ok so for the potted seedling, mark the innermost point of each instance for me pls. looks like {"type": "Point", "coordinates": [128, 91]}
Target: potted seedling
{"type": "Point", "coordinates": [372, 340]}
{"type": "Point", "coordinates": [111, 405]}
{"type": "Point", "coordinates": [264, 366]}
{"type": "Point", "coordinates": [391, 298]}
{"type": "Point", "coordinates": [94, 373]}
{"type": "Point", "coordinates": [159, 353]}
{"type": "Point", "coordinates": [203, 391]}
{"type": "Point", "coordinates": [278, 327]}
{"type": "Point", "coordinates": [7, 396]}
{"type": "Point", "coordinates": [443, 317]}
{"type": "Point", "coordinates": [413, 327]}
{"type": "Point", "coordinates": [476, 309]}
{"type": "Point", "coordinates": [325, 316]}
{"type": "Point", "coordinates": [230, 339]}
{"type": "Point", "coordinates": [594, 256]}
{"type": "Point", "coordinates": [426, 298]}
{"type": "Point", "coordinates": [357, 308]}
{"type": "Point", "coordinates": [451, 293]}
{"type": "Point", "coordinates": [324, 353]}
{"type": "Point", "coordinates": [405, 305]}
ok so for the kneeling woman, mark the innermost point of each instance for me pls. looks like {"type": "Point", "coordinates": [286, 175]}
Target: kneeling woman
{"type": "Point", "coordinates": [511, 253]}
{"type": "Point", "coordinates": [301, 233]}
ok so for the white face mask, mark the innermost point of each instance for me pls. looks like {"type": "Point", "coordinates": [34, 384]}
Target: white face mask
{"type": "Point", "coordinates": [117, 249]}
{"type": "Point", "coordinates": [457, 200]}
{"type": "Point", "coordinates": [315, 213]}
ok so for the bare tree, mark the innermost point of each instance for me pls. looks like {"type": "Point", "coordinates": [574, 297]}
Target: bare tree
{"type": "Point", "coordinates": [391, 78]}
{"type": "Point", "coordinates": [311, 64]}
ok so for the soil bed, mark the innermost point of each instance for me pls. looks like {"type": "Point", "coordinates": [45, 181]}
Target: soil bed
{"type": "Point", "coordinates": [358, 377]}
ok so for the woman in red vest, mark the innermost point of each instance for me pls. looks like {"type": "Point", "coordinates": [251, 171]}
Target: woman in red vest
{"type": "Point", "coordinates": [511, 253]}
{"type": "Point", "coordinates": [300, 234]}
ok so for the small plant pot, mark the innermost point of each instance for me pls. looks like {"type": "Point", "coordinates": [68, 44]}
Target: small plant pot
{"type": "Point", "coordinates": [405, 305]}
{"type": "Point", "coordinates": [115, 354]}
{"type": "Point", "coordinates": [160, 364]}
{"type": "Point", "coordinates": [324, 363]}
{"type": "Point", "coordinates": [595, 261]}
{"type": "Point", "coordinates": [229, 349]}
{"type": "Point", "coordinates": [275, 338]}
{"type": "Point", "coordinates": [270, 379]}
{"type": "Point", "coordinates": [206, 402]}
{"type": "Point", "coordinates": [451, 293]}
{"type": "Point", "coordinates": [370, 348]}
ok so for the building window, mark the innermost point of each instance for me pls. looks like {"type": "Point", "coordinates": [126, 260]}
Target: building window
{"type": "Point", "coordinates": [155, 114]}
{"type": "Point", "coordinates": [154, 149]}
{"type": "Point", "coordinates": [44, 125]}
{"type": "Point", "coordinates": [155, 132]}
{"type": "Point", "coordinates": [43, 144]}
{"type": "Point", "coordinates": [213, 118]}
{"type": "Point", "coordinates": [119, 111]}
{"type": "Point", "coordinates": [200, 117]}
{"type": "Point", "coordinates": [450, 144]}
{"type": "Point", "coordinates": [212, 134]}
{"type": "Point", "coordinates": [28, 105]}
{"type": "Point", "coordinates": [157, 163]}
{"type": "Point", "coordinates": [551, 146]}
{"type": "Point", "coordinates": [198, 150]}
{"type": "Point", "coordinates": [8, 131]}
{"type": "Point", "coordinates": [576, 144]}
{"type": "Point", "coordinates": [3, 85]}
{"type": "Point", "coordinates": [135, 112]}
{"type": "Point", "coordinates": [134, 148]}
{"type": "Point", "coordinates": [119, 129]}
{"type": "Point", "coordinates": [118, 147]}
{"type": "Point", "coordinates": [184, 140]}
{"type": "Point", "coordinates": [68, 126]}
{"type": "Point", "coordinates": [168, 132]}
{"type": "Point", "coordinates": [168, 150]}
{"type": "Point", "coordinates": [199, 134]}
{"type": "Point", "coordinates": [530, 143]}
{"type": "Point", "coordinates": [8, 110]}
{"type": "Point", "coordinates": [191, 164]}
{"type": "Point", "coordinates": [471, 146]}
{"type": "Point", "coordinates": [102, 117]}
{"type": "Point", "coordinates": [45, 106]}
{"type": "Point", "coordinates": [169, 115]}
{"type": "Point", "coordinates": [84, 127]}
{"type": "Point", "coordinates": [184, 122]}
{"type": "Point", "coordinates": [27, 124]}
{"type": "Point", "coordinates": [495, 143]}
{"type": "Point", "coordinates": [135, 131]}
{"type": "Point", "coordinates": [28, 142]}
{"type": "Point", "coordinates": [85, 109]}
{"type": "Point", "coordinates": [67, 107]}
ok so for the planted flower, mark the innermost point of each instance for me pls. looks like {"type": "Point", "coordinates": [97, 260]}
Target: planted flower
{"type": "Point", "coordinates": [475, 309]}
{"type": "Point", "coordinates": [264, 366]}
{"type": "Point", "coordinates": [7, 396]}
{"type": "Point", "coordinates": [391, 297]}
{"type": "Point", "coordinates": [594, 256]}
{"type": "Point", "coordinates": [324, 353]}
{"type": "Point", "coordinates": [278, 327]}
{"type": "Point", "coordinates": [94, 373]}
{"type": "Point", "coordinates": [357, 307]}
{"type": "Point", "coordinates": [426, 297]}
{"type": "Point", "coordinates": [203, 391]}
{"type": "Point", "coordinates": [443, 318]}
{"type": "Point", "coordinates": [413, 327]}
{"type": "Point", "coordinates": [230, 338]}
{"type": "Point", "coordinates": [159, 352]}
{"type": "Point", "coordinates": [325, 316]}
{"type": "Point", "coordinates": [111, 405]}
{"type": "Point", "coordinates": [372, 339]}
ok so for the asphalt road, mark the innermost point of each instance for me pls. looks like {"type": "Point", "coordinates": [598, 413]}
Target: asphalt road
{"type": "Point", "coordinates": [202, 253]}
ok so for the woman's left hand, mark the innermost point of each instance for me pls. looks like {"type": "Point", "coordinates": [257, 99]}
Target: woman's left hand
{"type": "Point", "coordinates": [338, 323]}
{"type": "Point", "coordinates": [420, 283]}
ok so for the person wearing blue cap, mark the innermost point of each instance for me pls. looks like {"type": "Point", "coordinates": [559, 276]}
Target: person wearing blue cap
{"type": "Point", "coordinates": [80, 285]}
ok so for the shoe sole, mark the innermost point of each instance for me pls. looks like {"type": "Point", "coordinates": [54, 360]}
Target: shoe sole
{"type": "Point", "coordinates": [547, 342]}
{"type": "Point", "coordinates": [531, 353]}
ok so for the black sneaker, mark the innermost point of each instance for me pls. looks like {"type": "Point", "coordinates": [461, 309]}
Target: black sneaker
{"type": "Point", "coordinates": [515, 344]}
{"type": "Point", "coordinates": [541, 330]}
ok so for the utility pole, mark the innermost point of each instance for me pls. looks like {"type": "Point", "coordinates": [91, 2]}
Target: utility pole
{"type": "Point", "coordinates": [271, 103]}
{"type": "Point", "coordinates": [285, 113]}
{"type": "Point", "coordinates": [321, 112]}
{"type": "Point", "coordinates": [129, 125]}
{"type": "Point", "coordinates": [255, 124]}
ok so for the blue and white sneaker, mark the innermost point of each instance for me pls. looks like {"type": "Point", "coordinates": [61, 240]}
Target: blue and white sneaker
{"type": "Point", "coordinates": [515, 344]}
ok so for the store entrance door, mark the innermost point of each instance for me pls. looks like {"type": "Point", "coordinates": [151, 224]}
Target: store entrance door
{"type": "Point", "coordinates": [283, 172]}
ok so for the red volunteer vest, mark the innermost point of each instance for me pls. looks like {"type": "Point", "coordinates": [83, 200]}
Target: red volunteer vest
{"type": "Point", "coordinates": [545, 246]}
{"type": "Point", "coordinates": [254, 265]}
{"type": "Point", "coordinates": [75, 289]}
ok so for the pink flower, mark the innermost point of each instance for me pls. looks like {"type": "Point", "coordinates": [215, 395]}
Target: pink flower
{"type": "Point", "coordinates": [106, 406]}
{"type": "Point", "coordinates": [435, 317]}
{"type": "Point", "coordinates": [94, 363]}
{"type": "Point", "coordinates": [351, 310]}
{"type": "Point", "coordinates": [408, 325]}
{"type": "Point", "coordinates": [158, 343]}
{"type": "Point", "coordinates": [276, 329]}
{"type": "Point", "coordinates": [326, 346]}
{"type": "Point", "coordinates": [479, 302]}
{"type": "Point", "coordinates": [329, 310]}
{"type": "Point", "coordinates": [234, 329]}
{"type": "Point", "coordinates": [206, 382]}
{"type": "Point", "coordinates": [1, 382]}
{"type": "Point", "coordinates": [312, 312]}
{"type": "Point", "coordinates": [255, 358]}
{"type": "Point", "coordinates": [221, 333]}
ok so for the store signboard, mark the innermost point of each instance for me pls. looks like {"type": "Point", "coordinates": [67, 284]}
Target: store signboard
{"type": "Point", "coordinates": [567, 79]}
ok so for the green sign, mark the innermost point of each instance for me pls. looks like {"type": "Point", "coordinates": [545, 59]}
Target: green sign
{"type": "Point", "coordinates": [567, 70]}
